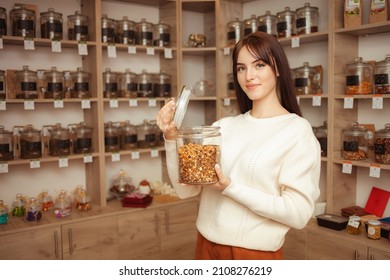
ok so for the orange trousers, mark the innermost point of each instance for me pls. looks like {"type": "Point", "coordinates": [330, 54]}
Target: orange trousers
{"type": "Point", "coordinates": [206, 250]}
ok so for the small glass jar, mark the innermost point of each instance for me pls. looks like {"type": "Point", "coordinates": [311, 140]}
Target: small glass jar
{"type": "Point", "coordinates": [355, 142]}
{"type": "Point", "coordinates": [374, 229]}
{"type": "Point", "coordinates": [354, 225]}
{"type": "Point", "coordinates": [51, 25]}
{"type": "Point", "coordinates": [145, 84]}
{"type": "Point", "coordinates": [33, 211]}
{"type": "Point", "coordinates": [161, 84]}
{"type": "Point", "coordinates": [62, 205]}
{"type": "Point", "coordinates": [125, 31]}
{"type": "Point", "coordinates": [321, 134]}
{"type": "Point", "coordinates": [108, 29]}
{"type": "Point", "coordinates": [198, 153]}
{"type": "Point", "coordinates": [18, 206]}
{"type": "Point", "coordinates": [161, 34]}
{"type": "Point", "coordinates": [80, 84]}
{"type": "Point", "coordinates": [146, 135]}
{"type": "Point", "coordinates": [83, 201]}
{"type": "Point", "coordinates": [230, 85]}
{"type": "Point", "coordinates": [128, 85]}
{"type": "Point", "coordinates": [78, 27]}
{"type": "Point", "coordinates": [234, 32]}
{"type": "Point", "coordinates": [30, 143]}
{"type": "Point", "coordinates": [122, 185]}
{"type": "Point", "coordinates": [4, 215]}
{"type": "Point", "coordinates": [382, 145]}
{"type": "Point", "coordinates": [82, 139]}
{"type": "Point", "coordinates": [59, 141]}
{"type": "Point", "coordinates": [268, 24]}
{"type": "Point", "coordinates": [26, 84]}
{"type": "Point", "coordinates": [381, 76]}
{"type": "Point", "coordinates": [307, 19]}
{"type": "Point", "coordinates": [129, 136]}
{"type": "Point", "coordinates": [286, 23]}
{"type": "Point", "coordinates": [54, 84]}
{"type": "Point", "coordinates": [45, 200]}
{"type": "Point", "coordinates": [110, 84]}
{"type": "Point", "coordinates": [111, 138]}
{"type": "Point", "coordinates": [6, 145]}
{"type": "Point", "coordinates": [144, 33]}
{"type": "Point", "coordinates": [359, 77]}
{"type": "Point", "coordinates": [306, 80]}
{"type": "Point", "coordinates": [250, 25]}
{"type": "Point", "coordinates": [3, 22]}
{"type": "Point", "coordinates": [3, 94]}
{"type": "Point", "coordinates": [23, 22]}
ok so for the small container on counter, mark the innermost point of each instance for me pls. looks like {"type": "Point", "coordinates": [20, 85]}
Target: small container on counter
{"type": "Point", "coordinates": [268, 24]}
{"type": "Point", "coordinates": [26, 83]}
{"type": "Point", "coordinates": [359, 77]}
{"type": "Point", "coordinates": [125, 31]}
{"type": "Point", "coordinates": [161, 34]}
{"type": "Point", "coordinates": [250, 25]}
{"type": "Point", "coordinates": [354, 225]}
{"type": "Point", "coordinates": [3, 91]}
{"type": "Point", "coordinates": [51, 25]}
{"type": "Point", "coordinates": [4, 213]}
{"type": "Point", "coordinates": [111, 138]}
{"type": "Point", "coordinates": [381, 76]}
{"type": "Point", "coordinates": [33, 211]}
{"type": "Point", "coordinates": [82, 200]}
{"type": "Point", "coordinates": [355, 142]}
{"type": "Point", "coordinates": [307, 19]}
{"type": "Point", "coordinates": [78, 27]}
{"type": "Point", "coordinates": [110, 84]}
{"type": "Point", "coordinates": [144, 33]}
{"type": "Point", "coordinates": [374, 229]}
{"type": "Point", "coordinates": [6, 145]}
{"type": "Point", "coordinates": [62, 205]}
{"type": "Point", "coordinates": [321, 134]}
{"type": "Point", "coordinates": [54, 84]}
{"type": "Point", "coordinates": [81, 137]}
{"type": "Point", "coordinates": [129, 136]}
{"type": "Point", "coordinates": [146, 135]}
{"type": "Point", "coordinates": [161, 84]}
{"type": "Point", "coordinates": [128, 85]}
{"type": "Point", "coordinates": [234, 32]}
{"type": "Point", "coordinates": [382, 145]}
{"type": "Point", "coordinates": [122, 185]}
{"type": "Point", "coordinates": [108, 29]}
{"type": "Point", "coordinates": [59, 141]}
{"type": "Point", "coordinates": [30, 143]}
{"type": "Point", "coordinates": [45, 200]}
{"type": "Point", "coordinates": [80, 84]}
{"type": "Point", "coordinates": [286, 23]}
{"type": "Point", "coordinates": [3, 22]}
{"type": "Point", "coordinates": [145, 84]}
{"type": "Point", "coordinates": [23, 22]}
{"type": "Point", "coordinates": [18, 206]}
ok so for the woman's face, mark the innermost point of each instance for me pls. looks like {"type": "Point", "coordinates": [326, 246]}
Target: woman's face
{"type": "Point", "coordinates": [256, 78]}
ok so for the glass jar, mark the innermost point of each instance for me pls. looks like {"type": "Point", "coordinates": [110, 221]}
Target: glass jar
{"type": "Point", "coordinates": [355, 142]}
{"type": "Point", "coordinates": [145, 84]}
{"type": "Point", "coordinates": [268, 24]}
{"type": "Point", "coordinates": [59, 142]}
{"type": "Point", "coordinates": [33, 211]}
{"type": "Point", "coordinates": [18, 206]}
{"type": "Point", "coordinates": [129, 136]}
{"type": "Point", "coordinates": [306, 80]}
{"type": "Point", "coordinates": [51, 25]}
{"type": "Point", "coordinates": [161, 84]}
{"type": "Point", "coordinates": [128, 84]}
{"type": "Point", "coordinates": [381, 76]}
{"type": "Point", "coordinates": [110, 84]}
{"type": "Point", "coordinates": [198, 152]}
{"type": "Point", "coordinates": [30, 143]}
{"type": "Point", "coordinates": [4, 215]}
{"type": "Point", "coordinates": [108, 29]}
{"type": "Point", "coordinates": [6, 145]}
{"type": "Point", "coordinates": [26, 84]}
{"type": "Point", "coordinates": [234, 32]}
{"type": "Point", "coordinates": [307, 19]}
{"type": "Point", "coordinates": [144, 33]}
{"type": "Point", "coordinates": [359, 77]}
{"type": "Point", "coordinates": [286, 23]}
{"type": "Point", "coordinates": [125, 31]}
{"type": "Point", "coordinates": [23, 22]}
{"type": "Point", "coordinates": [159, 133]}
{"type": "Point", "coordinates": [82, 139]}
{"type": "Point", "coordinates": [3, 22]}
{"type": "Point", "coordinates": [2, 85]}
{"type": "Point", "coordinates": [354, 225]}
{"type": "Point", "coordinates": [382, 145]}
{"type": "Point", "coordinates": [45, 200]}
{"type": "Point", "coordinates": [122, 185]}
{"type": "Point", "coordinates": [78, 27]}
{"type": "Point", "coordinates": [111, 138]}
{"type": "Point", "coordinates": [83, 201]}
{"type": "Point", "coordinates": [146, 135]}
{"type": "Point", "coordinates": [250, 25]}
{"type": "Point", "coordinates": [161, 34]}
{"type": "Point", "coordinates": [321, 134]}
{"type": "Point", "coordinates": [374, 229]}
{"type": "Point", "coordinates": [62, 205]}
{"type": "Point", "coordinates": [203, 88]}
{"type": "Point", "coordinates": [230, 85]}
{"type": "Point", "coordinates": [54, 84]}
{"type": "Point", "coordinates": [79, 87]}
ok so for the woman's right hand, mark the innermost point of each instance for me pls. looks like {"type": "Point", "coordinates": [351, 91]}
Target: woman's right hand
{"type": "Point", "coordinates": [165, 120]}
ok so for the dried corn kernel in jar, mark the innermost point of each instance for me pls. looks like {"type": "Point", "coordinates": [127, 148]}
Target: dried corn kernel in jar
{"type": "Point", "coordinates": [374, 229]}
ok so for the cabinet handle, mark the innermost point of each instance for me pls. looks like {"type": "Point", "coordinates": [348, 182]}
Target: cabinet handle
{"type": "Point", "coordinates": [70, 241]}
{"type": "Point", "coordinates": [157, 224]}
{"type": "Point", "coordinates": [357, 255]}
{"type": "Point", "coordinates": [372, 257]}
{"type": "Point", "coordinates": [56, 244]}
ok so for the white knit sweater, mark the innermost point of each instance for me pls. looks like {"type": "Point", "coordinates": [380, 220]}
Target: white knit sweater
{"type": "Point", "coordinates": [274, 167]}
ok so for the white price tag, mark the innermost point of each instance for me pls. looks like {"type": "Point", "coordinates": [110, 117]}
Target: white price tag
{"type": "Point", "coordinates": [86, 104]}
{"type": "Point", "coordinates": [29, 105]}
{"type": "Point", "coordinates": [58, 104]}
{"type": "Point", "coordinates": [114, 103]}
{"type": "Point", "coordinates": [295, 42]}
{"type": "Point", "coordinates": [347, 167]}
{"type": "Point", "coordinates": [132, 50]}
{"type": "Point", "coordinates": [29, 44]}
{"type": "Point", "coordinates": [226, 51]}
{"type": "Point", "coordinates": [348, 102]}
{"type": "Point", "coordinates": [115, 157]}
{"type": "Point", "coordinates": [82, 47]}
{"type": "Point", "coordinates": [3, 106]}
{"type": "Point", "coordinates": [63, 162]}
{"type": "Point", "coordinates": [135, 155]}
{"type": "Point", "coordinates": [88, 158]}
{"type": "Point", "coordinates": [377, 102]}
{"type": "Point", "coordinates": [154, 153]}
{"type": "Point", "coordinates": [316, 101]}
{"type": "Point", "coordinates": [152, 103]}
{"type": "Point", "coordinates": [226, 102]}
{"type": "Point", "coordinates": [375, 170]}
{"type": "Point", "coordinates": [3, 167]}
{"type": "Point", "coordinates": [150, 51]}
{"type": "Point", "coordinates": [35, 164]}
{"type": "Point", "coordinates": [168, 53]}
{"type": "Point", "coordinates": [56, 46]}
{"type": "Point", "coordinates": [111, 50]}
{"type": "Point", "coordinates": [133, 103]}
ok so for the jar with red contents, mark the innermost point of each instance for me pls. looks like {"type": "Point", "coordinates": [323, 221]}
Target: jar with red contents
{"type": "Point", "coordinates": [45, 200]}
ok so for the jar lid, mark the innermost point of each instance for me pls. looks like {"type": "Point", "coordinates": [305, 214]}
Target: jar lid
{"type": "Point", "coordinates": [181, 106]}
{"type": "Point", "coordinates": [374, 222]}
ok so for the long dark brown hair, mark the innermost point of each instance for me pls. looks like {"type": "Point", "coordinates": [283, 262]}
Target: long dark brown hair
{"type": "Point", "coordinates": [267, 48]}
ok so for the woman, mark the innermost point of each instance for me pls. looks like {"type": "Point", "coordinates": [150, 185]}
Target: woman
{"type": "Point", "coordinates": [270, 161]}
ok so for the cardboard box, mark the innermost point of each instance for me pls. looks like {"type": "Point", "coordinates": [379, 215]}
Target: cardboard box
{"type": "Point", "coordinates": [353, 13]}
{"type": "Point", "coordinates": [379, 11]}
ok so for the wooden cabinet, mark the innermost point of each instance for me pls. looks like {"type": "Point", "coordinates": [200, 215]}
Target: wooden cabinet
{"type": "Point", "coordinates": [380, 253]}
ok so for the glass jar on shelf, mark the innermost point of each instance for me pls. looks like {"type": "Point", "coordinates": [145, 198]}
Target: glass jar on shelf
{"type": "Point", "coordinates": [30, 143]}
{"type": "Point", "coordinates": [355, 142]}
{"type": "Point", "coordinates": [128, 85]}
{"type": "Point", "coordinates": [145, 84]}
{"type": "Point", "coordinates": [3, 91]}
{"type": "Point", "coordinates": [129, 136]}
{"type": "Point", "coordinates": [108, 29]}
{"type": "Point", "coordinates": [125, 31]}
{"type": "Point", "coordinates": [82, 139]}
{"type": "Point", "coordinates": [307, 19]}
{"type": "Point", "coordinates": [306, 80]}
{"type": "Point", "coordinates": [26, 83]}
{"type": "Point", "coordinates": [78, 27]}
{"type": "Point", "coordinates": [234, 32]}
{"type": "Point", "coordinates": [111, 138]}
{"type": "Point", "coordinates": [382, 145]}
{"type": "Point", "coordinates": [161, 34]}
{"type": "Point", "coordinates": [381, 76]}
{"type": "Point", "coordinates": [54, 84]}
{"type": "Point", "coordinates": [4, 213]}
{"type": "Point", "coordinates": [62, 205]}
{"type": "Point", "coordinates": [121, 185]}
{"type": "Point", "coordinates": [321, 134]}
{"type": "Point", "coordinates": [161, 84]}
{"type": "Point", "coordinates": [33, 211]}
{"type": "Point", "coordinates": [230, 85]}
{"type": "Point", "coordinates": [83, 201]}
{"type": "Point", "coordinates": [51, 25]}
{"type": "Point", "coordinates": [359, 77]}
{"type": "Point", "coordinates": [146, 135]}
{"type": "Point", "coordinates": [59, 141]}
{"type": "Point", "coordinates": [45, 200]}
{"type": "Point", "coordinates": [3, 21]}
{"type": "Point", "coordinates": [110, 84]}
{"type": "Point", "coordinates": [144, 33]}
{"type": "Point", "coordinates": [268, 24]}
{"type": "Point", "coordinates": [6, 145]}
{"type": "Point", "coordinates": [286, 23]}
{"type": "Point", "coordinates": [80, 84]}
{"type": "Point", "coordinates": [23, 22]}
{"type": "Point", "coordinates": [250, 25]}
{"type": "Point", "coordinates": [19, 206]}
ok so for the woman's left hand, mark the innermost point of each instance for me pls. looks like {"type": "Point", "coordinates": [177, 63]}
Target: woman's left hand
{"type": "Point", "coordinates": [223, 181]}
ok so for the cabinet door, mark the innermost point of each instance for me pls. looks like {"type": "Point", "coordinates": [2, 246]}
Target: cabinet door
{"type": "Point", "coordinates": [378, 254]}
{"type": "Point", "coordinates": [34, 244]}
{"type": "Point", "coordinates": [90, 240]}
{"type": "Point", "coordinates": [294, 247]}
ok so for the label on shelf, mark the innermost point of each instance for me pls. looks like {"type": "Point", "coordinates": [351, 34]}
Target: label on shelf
{"type": "Point", "coordinates": [348, 102]}
{"type": "Point", "coordinates": [35, 163]}
{"type": "Point", "coordinates": [63, 162]}
{"type": "Point", "coordinates": [3, 167]}
{"type": "Point", "coordinates": [3, 105]}
{"type": "Point", "coordinates": [377, 102]}
{"type": "Point", "coordinates": [29, 105]}
{"type": "Point", "coordinates": [168, 53]}
{"type": "Point", "coordinates": [347, 167]}
{"type": "Point", "coordinates": [56, 46]}
{"type": "Point", "coordinates": [375, 170]}
{"type": "Point", "coordinates": [82, 48]}
{"type": "Point", "coordinates": [29, 44]}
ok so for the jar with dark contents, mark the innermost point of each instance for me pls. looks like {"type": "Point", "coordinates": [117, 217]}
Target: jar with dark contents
{"type": "Point", "coordinates": [381, 76]}
{"type": "Point", "coordinates": [30, 143]}
{"type": "Point", "coordinates": [306, 80]}
{"type": "Point", "coordinates": [108, 29]}
{"type": "Point", "coordinates": [161, 34]}
{"type": "Point", "coordinates": [128, 136]}
{"type": "Point", "coordinates": [62, 205]}
{"type": "Point", "coordinates": [4, 213]}
{"type": "Point", "coordinates": [128, 85]}
{"type": "Point", "coordinates": [3, 22]}
{"type": "Point", "coordinates": [82, 139]}
{"type": "Point", "coordinates": [234, 32]}
{"type": "Point", "coordinates": [26, 84]}
{"type": "Point", "coordinates": [3, 94]}
{"type": "Point", "coordinates": [54, 84]}
{"type": "Point", "coordinates": [51, 25]}
{"type": "Point", "coordinates": [125, 31]}
{"type": "Point", "coordinates": [6, 145]}
{"type": "Point", "coordinates": [78, 27]}
{"type": "Point", "coordinates": [146, 135]}
{"type": "Point", "coordinates": [111, 138]}
{"type": "Point", "coordinates": [286, 23]}
{"type": "Point", "coordinates": [382, 145]}
{"type": "Point", "coordinates": [159, 133]}
{"type": "Point", "coordinates": [110, 84]}
{"type": "Point", "coordinates": [122, 185]}
{"type": "Point", "coordinates": [59, 141]}
{"type": "Point", "coordinates": [45, 200]}
{"type": "Point", "coordinates": [321, 134]}
{"type": "Point", "coordinates": [144, 33]}
{"type": "Point", "coordinates": [359, 77]}
{"type": "Point", "coordinates": [161, 84]}
{"type": "Point", "coordinates": [230, 85]}
{"type": "Point", "coordinates": [267, 23]}
{"type": "Point", "coordinates": [23, 22]}
{"type": "Point", "coordinates": [18, 206]}
{"type": "Point", "coordinates": [33, 210]}
{"type": "Point", "coordinates": [307, 19]}
{"type": "Point", "coordinates": [145, 85]}
{"type": "Point", "coordinates": [250, 25]}
{"type": "Point", "coordinates": [79, 87]}
{"type": "Point", "coordinates": [355, 142]}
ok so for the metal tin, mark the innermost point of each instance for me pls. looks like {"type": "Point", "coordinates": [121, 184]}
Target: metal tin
{"type": "Point", "coordinates": [51, 25]}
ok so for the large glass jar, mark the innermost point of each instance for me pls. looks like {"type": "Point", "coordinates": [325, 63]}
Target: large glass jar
{"type": "Point", "coordinates": [111, 137]}
{"type": "Point", "coordinates": [129, 136]}
{"type": "Point", "coordinates": [286, 23]}
{"type": "Point", "coordinates": [234, 32]}
{"type": "Point", "coordinates": [144, 33]}
{"type": "Point", "coordinates": [78, 27]}
{"type": "Point", "coordinates": [54, 84]}
{"type": "Point", "coordinates": [198, 152]}
{"type": "Point", "coordinates": [161, 84]}
{"type": "Point", "coordinates": [161, 34]}
{"type": "Point", "coordinates": [306, 80]}
{"type": "Point", "coordinates": [146, 135]}
{"type": "Point", "coordinates": [18, 206]}
{"type": "Point", "coordinates": [108, 29]}
{"type": "Point", "coordinates": [45, 200]}
{"type": "Point", "coordinates": [355, 142]}
{"type": "Point", "coordinates": [307, 19]}
{"type": "Point", "coordinates": [122, 185]}
{"type": "Point", "coordinates": [2, 85]}
{"type": "Point", "coordinates": [82, 139]}
{"type": "Point", "coordinates": [3, 22]}
{"type": "Point", "coordinates": [79, 84]}
{"type": "Point", "coordinates": [382, 145]}
{"type": "Point", "coordinates": [145, 84]}
{"type": "Point", "coordinates": [159, 133]}
{"type": "Point", "coordinates": [23, 22]}
{"type": "Point", "coordinates": [59, 143]}
{"type": "Point", "coordinates": [128, 85]}
{"type": "Point", "coordinates": [4, 215]}
{"type": "Point", "coordinates": [250, 25]}
{"type": "Point", "coordinates": [381, 76]}
{"type": "Point", "coordinates": [33, 210]}
{"type": "Point", "coordinates": [26, 84]}
{"type": "Point", "coordinates": [6, 145]}
{"type": "Point", "coordinates": [51, 25]}
{"type": "Point", "coordinates": [321, 134]}
{"type": "Point", "coordinates": [125, 31]}
{"type": "Point", "coordinates": [267, 24]}
{"type": "Point", "coordinates": [30, 143]}
{"type": "Point", "coordinates": [359, 77]}
{"type": "Point", "coordinates": [110, 84]}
